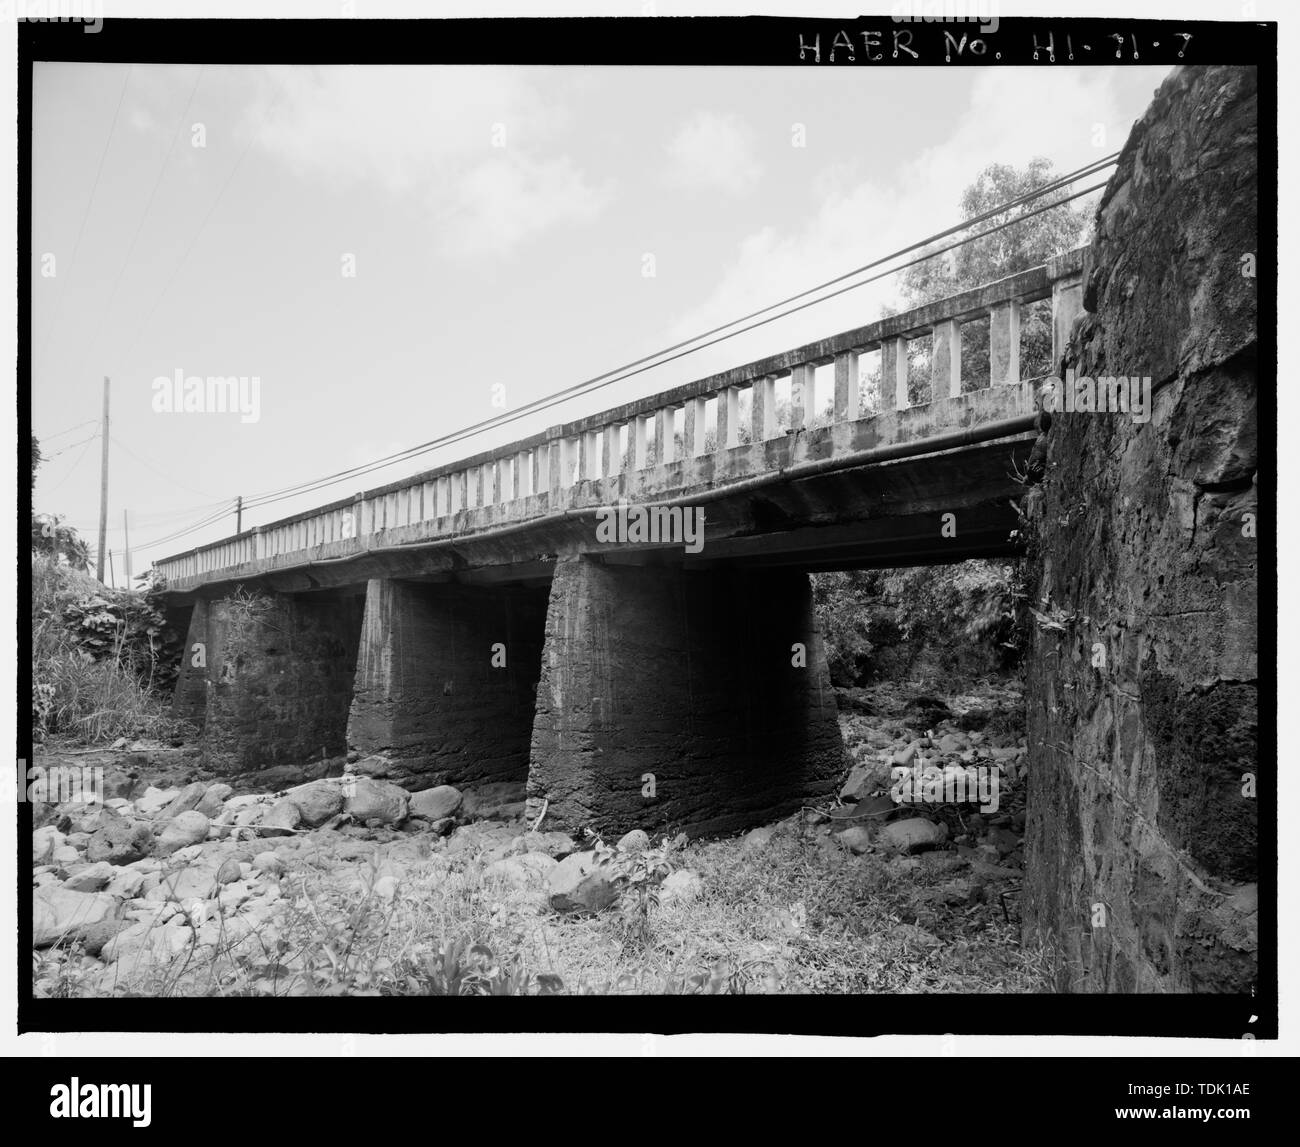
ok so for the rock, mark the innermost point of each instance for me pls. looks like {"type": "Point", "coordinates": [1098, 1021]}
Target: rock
{"type": "Point", "coordinates": [973, 719]}
{"type": "Point", "coordinates": [213, 800]}
{"type": "Point", "coordinates": [44, 842]}
{"type": "Point", "coordinates": [757, 838]}
{"type": "Point", "coordinates": [555, 844]}
{"type": "Point", "coordinates": [97, 935]}
{"type": "Point", "coordinates": [194, 882]}
{"type": "Point", "coordinates": [443, 827]}
{"type": "Point", "coordinates": [579, 884]}
{"type": "Point", "coordinates": [863, 780]}
{"type": "Point", "coordinates": [126, 883]}
{"type": "Point", "coordinates": [60, 912]}
{"type": "Point", "coordinates": [230, 870]}
{"type": "Point", "coordinates": [281, 820]}
{"type": "Point", "coordinates": [368, 799]}
{"type": "Point", "coordinates": [500, 800]}
{"type": "Point", "coordinates": [92, 878]}
{"type": "Point", "coordinates": [905, 756]}
{"type": "Point", "coordinates": [915, 834]}
{"type": "Point", "coordinates": [951, 743]}
{"type": "Point", "coordinates": [120, 842]}
{"type": "Point", "coordinates": [183, 801]}
{"type": "Point", "coordinates": [153, 799]}
{"type": "Point", "coordinates": [436, 804]}
{"type": "Point", "coordinates": [189, 828]}
{"type": "Point", "coordinates": [634, 841]}
{"type": "Point", "coordinates": [317, 802]}
{"type": "Point", "coordinates": [856, 839]}
{"type": "Point", "coordinates": [531, 869]}
{"type": "Point", "coordinates": [65, 854]}
{"type": "Point", "coordinates": [1004, 840]}
{"type": "Point", "coordinates": [681, 887]}
{"type": "Point", "coordinates": [268, 863]}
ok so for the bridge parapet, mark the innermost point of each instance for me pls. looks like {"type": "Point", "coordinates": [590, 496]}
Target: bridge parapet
{"type": "Point", "coordinates": [607, 456]}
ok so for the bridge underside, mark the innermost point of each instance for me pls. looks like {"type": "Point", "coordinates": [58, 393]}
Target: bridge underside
{"type": "Point", "coordinates": [628, 685]}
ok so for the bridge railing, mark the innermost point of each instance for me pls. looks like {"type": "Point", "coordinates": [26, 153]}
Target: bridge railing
{"type": "Point", "coordinates": [536, 475]}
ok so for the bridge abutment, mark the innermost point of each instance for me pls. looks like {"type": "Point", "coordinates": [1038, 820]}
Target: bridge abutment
{"type": "Point", "coordinates": [680, 700]}
{"type": "Point", "coordinates": [445, 681]}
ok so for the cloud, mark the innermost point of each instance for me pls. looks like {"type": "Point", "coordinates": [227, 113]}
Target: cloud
{"type": "Point", "coordinates": [713, 152]}
{"type": "Point", "coordinates": [860, 215]}
{"type": "Point", "coordinates": [476, 147]}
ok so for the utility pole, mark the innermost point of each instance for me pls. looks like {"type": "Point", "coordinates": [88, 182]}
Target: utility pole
{"type": "Point", "coordinates": [103, 491]}
{"type": "Point", "coordinates": [239, 514]}
{"type": "Point", "coordinates": [112, 577]}
{"type": "Point", "coordinates": [126, 543]}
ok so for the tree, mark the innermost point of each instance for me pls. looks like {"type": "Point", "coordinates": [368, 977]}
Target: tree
{"type": "Point", "coordinates": [1019, 247]}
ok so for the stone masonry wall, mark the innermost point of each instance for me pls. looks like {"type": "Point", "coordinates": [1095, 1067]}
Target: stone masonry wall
{"type": "Point", "coordinates": [278, 680]}
{"type": "Point", "coordinates": [1142, 704]}
{"type": "Point", "coordinates": [687, 676]}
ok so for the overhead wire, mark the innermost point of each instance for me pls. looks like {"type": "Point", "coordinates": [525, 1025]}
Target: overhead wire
{"type": "Point", "coordinates": [642, 365]}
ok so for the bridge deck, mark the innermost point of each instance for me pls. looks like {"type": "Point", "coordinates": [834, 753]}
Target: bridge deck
{"type": "Point", "coordinates": [527, 498]}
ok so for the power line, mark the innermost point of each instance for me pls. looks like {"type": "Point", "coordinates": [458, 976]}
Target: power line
{"type": "Point", "coordinates": [226, 507]}
{"type": "Point", "coordinates": [75, 463]}
{"type": "Point", "coordinates": [50, 457]}
{"type": "Point", "coordinates": [70, 429]}
{"type": "Point", "coordinates": [76, 246]}
{"type": "Point", "coordinates": [646, 363]}
{"type": "Point", "coordinates": [157, 470]}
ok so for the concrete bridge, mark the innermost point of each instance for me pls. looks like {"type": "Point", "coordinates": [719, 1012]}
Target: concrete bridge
{"type": "Point", "coordinates": [477, 622]}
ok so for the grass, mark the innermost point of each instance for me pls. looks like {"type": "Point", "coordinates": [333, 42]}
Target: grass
{"type": "Point", "coordinates": [76, 697]}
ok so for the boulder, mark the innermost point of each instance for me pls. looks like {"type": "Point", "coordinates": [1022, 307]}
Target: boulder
{"type": "Point", "coordinates": [556, 844]}
{"type": "Point", "coordinates": [92, 878]}
{"type": "Point", "coordinates": [579, 884]}
{"type": "Point", "coordinates": [183, 801]}
{"type": "Point", "coordinates": [59, 912]}
{"type": "Point", "coordinates": [530, 869]}
{"type": "Point", "coordinates": [681, 887]}
{"type": "Point", "coordinates": [281, 820]}
{"type": "Point", "coordinates": [189, 828]}
{"type": "Point", "coordinates": [437, 803]}
{"type": "Point", "coordinates": [634, 841]}
{"type": "Point", "coordinates": [367, 799]}
{"type": "Point", "coordinates": [152, 800]}
{"type": "Point", "coordinates": [268, 863]}
{"type": "Point", "coordinates": [499, 800]}
{"type": "Point", "coordinates": [317, 802]}
{"type": "Point", "coordinates": [120, 842]}
{"type": "Point", "coordinates": [916, 834]}
{"type": "Point", "coordinates": [856, 839]}
{"type": "Point", "coordinates": [213, 800]}
{"type": "Point", "coordinates": [44, 842]}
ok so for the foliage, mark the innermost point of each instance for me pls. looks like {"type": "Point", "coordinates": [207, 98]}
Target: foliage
{"type": "Point", "coordinates": [637, 874]}
{"type": "Point", "coordinates": [878, 621]}
{"type": "Point", "coordinates": [101, 658]}
{"type": "Point", "coordinates": [53, 539]}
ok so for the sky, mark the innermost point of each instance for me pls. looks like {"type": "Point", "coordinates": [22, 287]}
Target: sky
{"type": "Point", "coordinates": [380, 246]}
